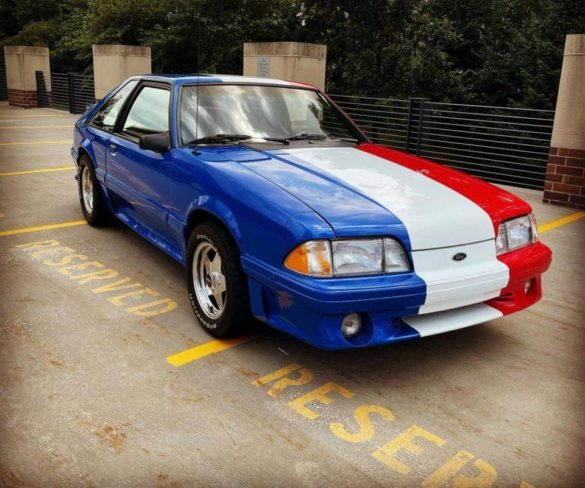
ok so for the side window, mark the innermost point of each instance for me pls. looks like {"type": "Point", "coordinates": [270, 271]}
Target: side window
{"type": "Point", "coordinates": [106, 117]}
{"type": "Point", "coordinates": [149, 113]}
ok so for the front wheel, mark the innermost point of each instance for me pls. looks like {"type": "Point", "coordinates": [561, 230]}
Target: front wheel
{"type": "Point", "coordinates": [216, 282]}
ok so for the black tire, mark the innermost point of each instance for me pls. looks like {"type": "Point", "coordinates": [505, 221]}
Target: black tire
{"type": "Point", "coordinates": [235, 318]}
{"type": "Point", "coordinates": [96, 215]}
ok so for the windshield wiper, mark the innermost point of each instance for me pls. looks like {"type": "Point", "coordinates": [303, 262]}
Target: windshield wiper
{"type": "Point", "coordinates": [307, 136]}
{"type": "Point", "coordinates": [282, 140]}
{"type": "Point", "coordinates": [224, 138]}
{"type": "Point", "coordinates": [219, 138]}
{"type": "Point", "coordinates": [297, 137]}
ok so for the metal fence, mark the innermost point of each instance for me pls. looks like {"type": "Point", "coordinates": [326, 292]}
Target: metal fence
{"type": "Point", "coordinates": [499, 144]}
{"type": "Point", "coordinates": [3, 85]}
{"type": "Point", "coordinates": [69, 91]}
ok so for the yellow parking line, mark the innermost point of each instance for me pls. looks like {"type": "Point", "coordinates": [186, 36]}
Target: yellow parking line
{"type": "Point", "coordinates": [215, 346]}
{"type": "Point", "coordinates": [31, 171]}
{"type": "Point", "coordinates": [211, 347]}
{"type": "Point", "coordinates": [40, 228]}
{"type": "Point", "coordinates": [562, 221]}
{"type": "Point", "coordinates": [35, 126]}
{"type": "Point", "coordinates": [33, 142]}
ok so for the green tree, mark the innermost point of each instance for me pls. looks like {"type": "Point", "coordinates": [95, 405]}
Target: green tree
{"type": "Point", "coordinates": [506, 52]}
{"type": "Point", "coordinates": [503, 52]}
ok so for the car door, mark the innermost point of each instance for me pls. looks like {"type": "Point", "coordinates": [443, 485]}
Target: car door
{"type": "Point", "coordinates": [139, 179]}
{"type": "Point", "coordinates": [102, 124]}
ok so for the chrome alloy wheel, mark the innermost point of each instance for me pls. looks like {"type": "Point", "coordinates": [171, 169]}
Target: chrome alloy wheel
{"type": "Point", "coordinates": [87, 190]}
{"type": "Point", "coordinates": [208, 280]}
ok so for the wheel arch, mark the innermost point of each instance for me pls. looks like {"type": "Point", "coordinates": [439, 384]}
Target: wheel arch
{"type": "Point", "coordinates": [224, 219]}
{"type": "Point", "coordinates": [82, 151]}
{"type": "Point", "coordinates": [86, 149]}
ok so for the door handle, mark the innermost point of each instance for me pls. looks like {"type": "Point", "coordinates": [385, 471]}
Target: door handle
{"type": "Point", "coordinates": [113, 149]}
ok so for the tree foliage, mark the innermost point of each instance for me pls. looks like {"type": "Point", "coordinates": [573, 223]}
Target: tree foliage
{"type": "Point", "coordinates": [497, 52]}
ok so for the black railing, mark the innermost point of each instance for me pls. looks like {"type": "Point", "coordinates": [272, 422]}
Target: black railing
{"type": "Point", "coordinates": [3, 85]}
{"type": "Point", "coordinates": [81, 92]}
{"type": "Point", "coordinates": [499, 144]}
{"type": "Point", "coordinates": [43, 99]}
{"type": "Point", "coordinates": [69, 91]}
{"type": "Point", "coordinates": [59, 91]}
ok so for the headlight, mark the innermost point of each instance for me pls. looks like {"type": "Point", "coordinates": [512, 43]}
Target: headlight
{"type": "Point", "coordinates": [395, 259]}
{"type": "Point", "coordinates": [516, 233]}
{"type": "Point", "coordinates": [348, 257]}
{"type": "Point", "coordinates": [357, 257]}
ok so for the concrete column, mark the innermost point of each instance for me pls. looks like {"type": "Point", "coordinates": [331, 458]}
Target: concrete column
{"type": "Point", "coordinates": [565, 173]}
{"type": "Point", "coordinates": [113, 63]}
{"type": "Point", "coordinates": [21, 64]}
{"type": "Point", "coordinates": [293, 61]}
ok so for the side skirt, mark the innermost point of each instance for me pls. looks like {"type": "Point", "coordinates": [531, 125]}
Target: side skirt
{"type": "Point", "coordinates": [150, 235]}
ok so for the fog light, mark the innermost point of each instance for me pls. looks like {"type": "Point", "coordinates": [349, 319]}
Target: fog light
{"type": "Point", "coordinates": [527, 287]}
{"type": "Point", "coordinates": [351, 325]}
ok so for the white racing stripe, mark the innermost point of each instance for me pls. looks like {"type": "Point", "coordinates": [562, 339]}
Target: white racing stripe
{"type": "Point", "coordinates": [458, 318]}
{"type": "Point", "coordinates": [452, 284]}
{"type": "Point", "coordinates": [440, 223]}
{"type": "Point", "coordinates": [434, 215]}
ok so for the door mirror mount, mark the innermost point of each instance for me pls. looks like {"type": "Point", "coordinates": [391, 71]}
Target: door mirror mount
{"type": "Point", "coordinates": [159, 143]}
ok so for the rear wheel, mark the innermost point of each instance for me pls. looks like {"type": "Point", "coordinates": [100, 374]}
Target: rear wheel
{"type": "Point", "coordinates": [90, 198]}
{"type": "Point", "coordinates": [216, 282]}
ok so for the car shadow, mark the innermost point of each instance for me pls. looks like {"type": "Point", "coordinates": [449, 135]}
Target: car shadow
{"type": "Point", "coordinates": [401, 365]}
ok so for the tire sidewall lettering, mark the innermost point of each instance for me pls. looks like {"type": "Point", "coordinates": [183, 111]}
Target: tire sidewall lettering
{"type": "Point", "coordinates": [202, 318]}
{"type": "Point", "coordinates": [235, 316]}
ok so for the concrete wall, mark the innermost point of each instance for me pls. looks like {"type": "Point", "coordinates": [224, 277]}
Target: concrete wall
{"type": "Point", "coordinates": [116, 62]}
{"type": "Point", "coordinates": [294, 61]}
{"type": "Point", "coordinates": [565, 176]}
{"type": "Point", "coordinates": [21, 64]}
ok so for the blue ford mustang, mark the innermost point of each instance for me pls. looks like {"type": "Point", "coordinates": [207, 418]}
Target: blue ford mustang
{"type": "Point", "coordinates": [281, 208]}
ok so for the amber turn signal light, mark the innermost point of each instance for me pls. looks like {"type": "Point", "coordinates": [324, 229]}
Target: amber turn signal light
{"type": "Point", "coordinates": [312, 258]}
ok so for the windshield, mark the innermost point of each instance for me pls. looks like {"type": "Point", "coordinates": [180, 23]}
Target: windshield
{"type": "Point", "coordinates": [260, 112]}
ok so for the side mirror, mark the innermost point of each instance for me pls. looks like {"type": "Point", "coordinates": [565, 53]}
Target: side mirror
{"type": "Point", "coordinates": [156, 142]}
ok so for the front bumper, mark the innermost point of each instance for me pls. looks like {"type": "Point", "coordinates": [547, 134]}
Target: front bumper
{"type": "Point", "coordinates": [313, 309]}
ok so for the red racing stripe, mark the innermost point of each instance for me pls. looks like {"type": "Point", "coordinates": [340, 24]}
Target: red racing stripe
{"type": "Point", "coordinates": [497, 203]}
{"type": "Point", "coordinates": [525, 264]}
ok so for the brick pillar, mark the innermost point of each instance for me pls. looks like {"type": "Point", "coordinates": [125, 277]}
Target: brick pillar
{"type": "Point", "coordinates": [21, 64]}
{"type": "Point", "coordinates": [565, 173]}
{"type": "Point", "coordinates": [113, 63]}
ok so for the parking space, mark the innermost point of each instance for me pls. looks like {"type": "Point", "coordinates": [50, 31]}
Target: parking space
{"type": "Point", "coordinates": [107, 380]}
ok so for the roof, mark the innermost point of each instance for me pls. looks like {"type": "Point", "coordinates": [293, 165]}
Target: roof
{"type": "Point", "coordinates": [182, 79]}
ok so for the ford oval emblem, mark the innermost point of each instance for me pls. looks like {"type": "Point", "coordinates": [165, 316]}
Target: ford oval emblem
{"type": "Point", "coordinates": [460, 256]}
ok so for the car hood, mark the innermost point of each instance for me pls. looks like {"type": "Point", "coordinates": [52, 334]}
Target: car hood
{"type": "Point", "coordinates": [361, 193]}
